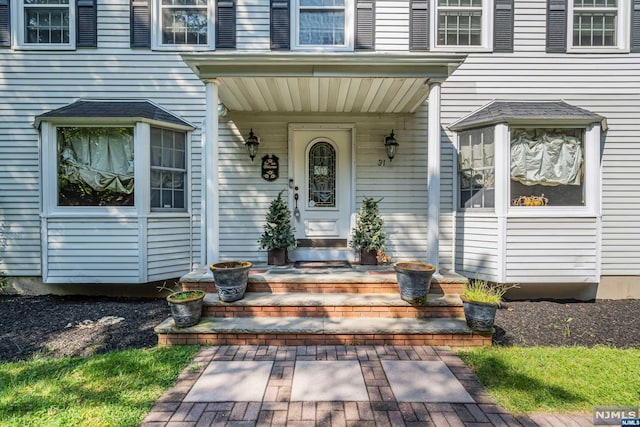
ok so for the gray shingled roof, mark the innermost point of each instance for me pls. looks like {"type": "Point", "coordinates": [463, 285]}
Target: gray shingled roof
{"type": "Point", "coordinates": [122, 109]}
{"type": "Point", "coordinates": [510, 111]}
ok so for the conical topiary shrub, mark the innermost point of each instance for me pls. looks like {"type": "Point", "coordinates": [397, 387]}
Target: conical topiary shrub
{"type": "Point", "coordinates": [278, 235]}
{"type": "Point", "coordinates": [367, 235]}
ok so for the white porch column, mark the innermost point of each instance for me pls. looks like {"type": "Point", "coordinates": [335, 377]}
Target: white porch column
{"type": "Point", "coordinates": [210, 203]}
{"type": "Point", "coordinates": [433, 173]}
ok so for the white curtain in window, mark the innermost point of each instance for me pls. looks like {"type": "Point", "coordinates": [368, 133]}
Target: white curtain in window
{"type": "Point", "coordinates": [546, 158]}
{"type": "Point", "coordinates": [101, 158]}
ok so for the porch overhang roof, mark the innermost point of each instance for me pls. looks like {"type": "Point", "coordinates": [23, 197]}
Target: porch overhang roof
{"type": "Point", "coordinates": [327, 82]}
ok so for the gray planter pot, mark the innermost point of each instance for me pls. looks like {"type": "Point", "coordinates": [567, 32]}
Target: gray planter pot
{"type": "Point", "coordinates": [231, 279]}
{"type": "Point", "coordinates": [414, 280]}
{"type": "Point", "coordinates": [480, 316]}
{"type": "Point", "coordinates": [186, 307]}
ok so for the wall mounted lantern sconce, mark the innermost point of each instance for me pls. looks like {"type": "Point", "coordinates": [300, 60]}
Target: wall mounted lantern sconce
{"type": "Point", "coordinates": [252, 145]}
{"type": "Point", "coordinates": [391, 145]}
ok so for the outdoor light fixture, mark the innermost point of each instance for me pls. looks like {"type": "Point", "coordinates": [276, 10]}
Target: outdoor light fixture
{"type": "Point", "coordinates": [391, 145]}
{"type": "Point", "coordinates": [252, 145]}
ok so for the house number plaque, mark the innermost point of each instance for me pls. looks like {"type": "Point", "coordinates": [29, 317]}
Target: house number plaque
{"type": "Point", "coordinates": [270, 167]}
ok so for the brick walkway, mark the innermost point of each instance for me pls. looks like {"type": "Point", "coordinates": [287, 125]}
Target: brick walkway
{"type": "Point", "coordinates": [381, 409]}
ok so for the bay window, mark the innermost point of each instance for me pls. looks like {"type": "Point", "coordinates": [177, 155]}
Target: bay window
{"type": "Point", "coordinates": [476, 168]}
{"type": "Point", "coordinates": [95, 166]}
{"type": "Point", "coordinates": [168, 169]}
{"type": "Point", "coordinates": [547, 167]}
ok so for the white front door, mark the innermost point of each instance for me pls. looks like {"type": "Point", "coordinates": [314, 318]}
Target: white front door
{"type": "Point", "coordinates": [322, 182]}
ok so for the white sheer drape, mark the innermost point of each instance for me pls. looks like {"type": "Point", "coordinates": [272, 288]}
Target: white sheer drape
{"type": "Point", "coordinates": [99, 157]}
{"type": "Point", "coordinates": [546, 157]}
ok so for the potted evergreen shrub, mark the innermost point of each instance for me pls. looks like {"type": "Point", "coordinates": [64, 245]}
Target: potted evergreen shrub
{"type": "Point", "coordinates": [367, 236]}
{"type": "Point", "coordinates": [480, 301]}
{"type": "Point", "coordinates": [278, 236]}
{"type": "Point", "coordinates": [185, 306]}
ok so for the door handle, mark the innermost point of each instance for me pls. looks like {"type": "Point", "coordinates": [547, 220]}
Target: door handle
{"type": "Point", "coordinates": [296, 211]}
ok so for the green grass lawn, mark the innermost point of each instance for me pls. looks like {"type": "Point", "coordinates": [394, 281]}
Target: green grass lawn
{"type": "Point", "coordinates": [557, 379]}
{"type": "Point", "coordinates": [113, 389]}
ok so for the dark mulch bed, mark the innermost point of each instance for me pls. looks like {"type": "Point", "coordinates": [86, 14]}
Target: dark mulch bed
{"type": "Point", "coordinates": [64, 326]}
{"type": "Point", "coordinates": [560, 323]}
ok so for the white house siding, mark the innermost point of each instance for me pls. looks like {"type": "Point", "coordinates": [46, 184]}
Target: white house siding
{"type": "Point", "coordinates": [551, 250]}
{"type": "Point", "coordinates": [83, 250]}
{"type": "Point", "coordinates": [33, 82]}
{"type": "Point", "coordinates": [244, 197]}
{"type": "Point", "coordinates": [168, 248]}
{"type": "Point", "coordinates": [253, 25]}
{"type": "Point", "coordinates": [477, 246]}
{"type": "Point", "coordinates": [392, 25]}
{"type": "Point", "coordinates": [600, 83]}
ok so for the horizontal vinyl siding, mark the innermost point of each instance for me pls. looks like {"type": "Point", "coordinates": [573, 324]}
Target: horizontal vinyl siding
{"type": "Point", "coordinates": [244, 197]}
{"type": "Point", "coordinates": [392, 25]}
{"type": "Point", "coordinates": [477, 246]}
{"type": "Point", "coordinates": [580, 80]}
{"type": "Point", "coordinates": [33, 82]}
{"type": "Point", "coordinates": [91, 250]}
{"type": "Point", "coordinates": [558, 250]}
{"type": "Point", "coordinates": [168, 248]}
{"type": "Point", "coordinates": [253, 20]}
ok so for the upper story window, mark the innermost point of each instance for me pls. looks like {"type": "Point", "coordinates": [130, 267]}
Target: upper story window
{"type": "Point", "coordinates": [595, 23]}
{"type": "Point", "coordinates": [459, 22]}
{"type": "Point", "coordinates": [46, 23]}
{"type": "Point", "coordinates": [323, 24]}
{"type": "Point", "coordinates": [184, 24]}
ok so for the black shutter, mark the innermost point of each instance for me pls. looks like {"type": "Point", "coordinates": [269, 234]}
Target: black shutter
{"type": "Point", "coordinates": [635, 26]}
{"type": "Point", "coordinates": [226, 24]}
{"type": "Point", "coordinates": [419, 25]}
{"type": "Point", "coordinates": [556, 26]}
{"type": "Point", "coordinates": [87, 23]}
{"type": "Point", "coordinates": [365, 24]}
{"type": "Point", "coordinates": [280, 26]}
{"type": "Point", "coordinates": [503, 26]}
{"type": "Point", "coordinates": [140, 23]}
{"type": "Point", "coordinates": [5, 23]}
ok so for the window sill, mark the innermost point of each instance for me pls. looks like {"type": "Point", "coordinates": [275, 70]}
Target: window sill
{"type": "Point", "coordinates": [183, 48]}
{"type": "Point", "coordinates": [551, 212]}
{"type": "Point", "coordinates": [44, 47]}
{"type": "Point", "coordinates": [596, 50]}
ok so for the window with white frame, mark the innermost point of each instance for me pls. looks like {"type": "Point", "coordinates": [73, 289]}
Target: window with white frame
{"type": "Point", "coordinates": [168, 169]}
{"type": "Point", "coordinates": [95, 166]}
{"type": "Point", "coordinates": [459, 22]}
{"type": "Point", "coordinates": [184, 23]}
{"type": "Point", "coordinates": [476, 168]}
{"type": "Point", "coordinates": [323, 23]}
{"type": "Point", "coordinates": [47, 22]}
{"type": "Point", "coordinates": [547, 167]}
{"type": "Point", "coordinates": [595, 23]}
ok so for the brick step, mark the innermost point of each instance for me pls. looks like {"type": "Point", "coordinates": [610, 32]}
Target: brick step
{"type": "Point", "coordinates": [374, 305]}
{"type": "Point", "coordinates": [355, 280]}
{"type": "Point", "coordinates": [321, 331]}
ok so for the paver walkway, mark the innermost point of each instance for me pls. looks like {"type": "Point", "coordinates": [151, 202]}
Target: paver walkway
{"type": "Point", "coordinates": [334, 386]}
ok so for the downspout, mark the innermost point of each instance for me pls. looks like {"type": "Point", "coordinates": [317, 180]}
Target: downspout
{"type": "Point", "coordinates": [433, 173]}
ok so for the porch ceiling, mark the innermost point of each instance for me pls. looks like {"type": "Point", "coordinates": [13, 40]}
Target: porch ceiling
{"type": "Point", "coordinates": [328, 83]}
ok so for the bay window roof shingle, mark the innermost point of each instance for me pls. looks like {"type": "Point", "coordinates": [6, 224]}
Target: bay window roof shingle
{"type": "Point", "coordinates": [142, 110]}
{"type": "Point", "coordinates": [552, 112]}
